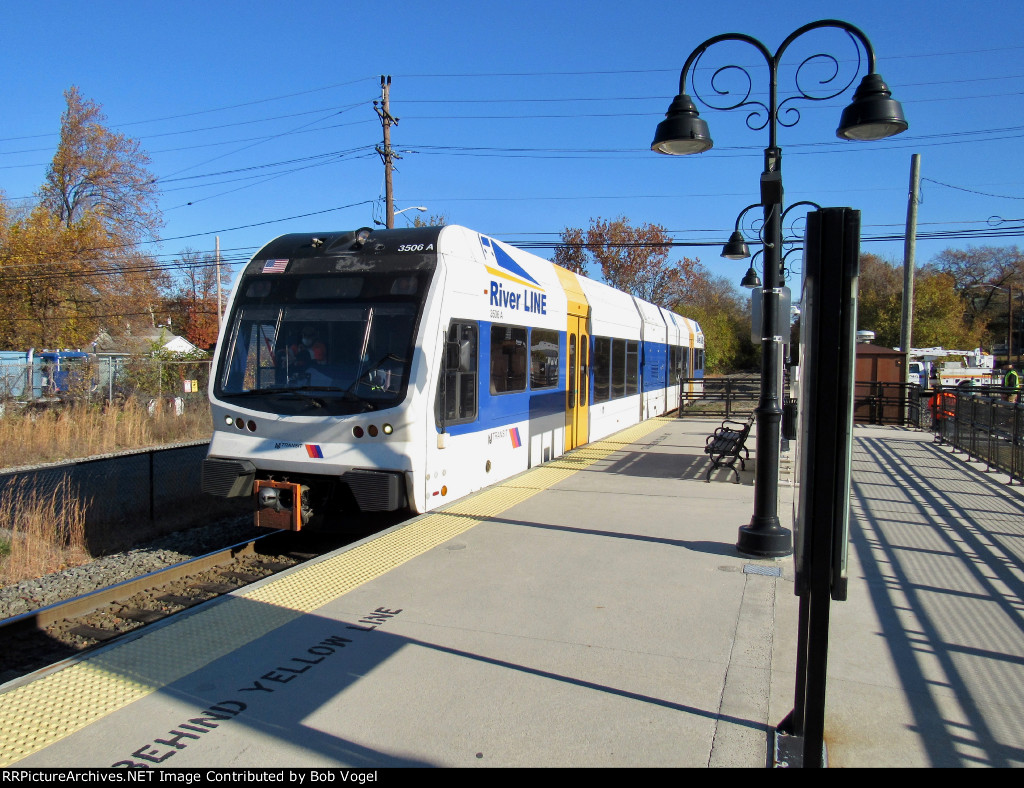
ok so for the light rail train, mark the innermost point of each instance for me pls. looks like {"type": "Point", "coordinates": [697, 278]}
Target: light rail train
{"type": "Point", "coordinates": [385, 370]}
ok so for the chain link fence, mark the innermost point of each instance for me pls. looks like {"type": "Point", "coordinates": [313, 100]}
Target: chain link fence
{"type": "Point", "coordinates": [130, 497]}
{"type": "Point", "coordinates": [181, 383]}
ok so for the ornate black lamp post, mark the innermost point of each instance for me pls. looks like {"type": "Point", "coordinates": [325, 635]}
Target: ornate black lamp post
{"type": "Point", "coordinates": [872, 115]}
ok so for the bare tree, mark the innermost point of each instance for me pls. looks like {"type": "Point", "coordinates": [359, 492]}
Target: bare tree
{"type": "Point", "coordinates": [984, 276]}
{"type": "Point", "coordinates": [193, 301]}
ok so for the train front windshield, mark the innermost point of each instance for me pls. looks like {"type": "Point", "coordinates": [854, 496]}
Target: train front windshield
{"type": "Point", "coordinates": [324, 344]}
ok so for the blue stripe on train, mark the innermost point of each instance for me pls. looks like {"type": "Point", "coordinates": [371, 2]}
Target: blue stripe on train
{"type": "Point", "coordinates": [500, 410]}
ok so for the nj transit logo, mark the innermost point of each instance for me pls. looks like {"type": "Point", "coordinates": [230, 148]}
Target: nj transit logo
{"type": "Point", "coordinates": [511, 286]}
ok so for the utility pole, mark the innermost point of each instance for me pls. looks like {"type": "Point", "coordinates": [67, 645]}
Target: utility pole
{"type": "Point", "coordinates": [909, 247]}
{"type": "Point", "coordinates": [387, 155]}
{"type": "Point", "coordinates": [220, 309]}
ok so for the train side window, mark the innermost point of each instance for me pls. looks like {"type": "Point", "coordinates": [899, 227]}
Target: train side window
{"type": "Point", "coordinates": [457, 398]}
{"type": "Point", "coordinates": [584, 371]}
{"type": "Point", "coordinates": [632, 367]}
{"type": "Point", "coordinates": [684, 365]}
{"type": "Point", "coordinates": [570, 379]}
{"type": "Point", "coordinates": [698, 360]}
{"type": "Point", "coordinates": [543, 358]}
{"type": "Point", "coordinates": [602, 363]}
{"type": "Point", "coordinates": [508, 359]}
{"type": "Point", "coordinates": [618, 368]}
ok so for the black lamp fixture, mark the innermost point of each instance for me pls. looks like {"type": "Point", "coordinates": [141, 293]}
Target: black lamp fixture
{"type": "Point", "coordinates": [736, 247]}
{"type": "Point", "coordinates": [751, 279]}
{"type": "Point", "coordinates": [873, 114]}
{"type": "Point", "coordinates": [683, 131]}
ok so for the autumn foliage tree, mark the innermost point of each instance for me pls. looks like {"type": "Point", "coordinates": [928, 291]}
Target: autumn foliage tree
{"type": "Point", "coordinates": [71, 262]}
{"type": "Point", "coordinates": [938, 306]}
{"type": "Point", "coordinates": [633, 259]}
{"type": "Point", "coordinates": [724, 317]}
{"type": "Point", "coordinates": [98, 175]}
{"type": "Point", "coordinates": [638, 261]}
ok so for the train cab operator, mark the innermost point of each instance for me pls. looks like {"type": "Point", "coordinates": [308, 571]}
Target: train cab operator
{"type": "Point", "coordinates": [307, 351]}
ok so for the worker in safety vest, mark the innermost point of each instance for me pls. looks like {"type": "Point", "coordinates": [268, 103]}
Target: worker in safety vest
{"type": "Point", "coordinates": [1011, 382]}
{"type": "Point", "coordinates": [943, 406]}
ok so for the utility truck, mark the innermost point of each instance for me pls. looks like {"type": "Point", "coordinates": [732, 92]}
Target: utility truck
{"type": "Point", "coordinates": [936, 366]}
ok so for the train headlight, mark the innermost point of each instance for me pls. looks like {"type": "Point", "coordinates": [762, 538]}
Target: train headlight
{"type": "Point", "coordinates": [228, 420]}
{"type": "Point", "coordinates": [388, 429]}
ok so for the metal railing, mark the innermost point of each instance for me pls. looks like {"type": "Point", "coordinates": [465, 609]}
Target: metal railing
{"type": "Point", "coordinates": [724, 397]}
{"type": "Point", "coordinates": [978, 421]}
{"type": "Point", "coordinates": [986, 427]}
{"type": "Point", "coordinates": [876, 402]}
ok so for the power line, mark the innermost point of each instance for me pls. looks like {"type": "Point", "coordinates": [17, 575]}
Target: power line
{"type": "Point", "coordinates": [1014, 228]}
{"type": "Point", "coordinates": [972, 191]}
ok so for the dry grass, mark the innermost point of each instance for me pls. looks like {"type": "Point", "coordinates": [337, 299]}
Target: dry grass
{"type": "Point", "coordinates": [40, 533]}
{"type": "Point", "coordinates": [76, 431]}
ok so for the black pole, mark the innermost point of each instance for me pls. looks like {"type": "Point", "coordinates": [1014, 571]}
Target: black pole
{"type": "Point", "coordinates": [764, 536]}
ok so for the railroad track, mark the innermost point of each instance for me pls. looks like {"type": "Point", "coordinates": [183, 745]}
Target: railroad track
{"type": "Point", "coordinates": [41, 638]}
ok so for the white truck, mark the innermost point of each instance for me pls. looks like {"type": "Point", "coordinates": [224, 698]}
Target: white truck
{"type": "Point", "coordinates": [938, 366]}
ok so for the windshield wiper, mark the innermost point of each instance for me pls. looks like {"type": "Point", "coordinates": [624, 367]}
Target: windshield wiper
{"type": "Point", "coordinates": [295, 392]}
{"type": "Point", "coordinates": [298, 392]}
{"type": "Point", "coordinates": [251, 392]}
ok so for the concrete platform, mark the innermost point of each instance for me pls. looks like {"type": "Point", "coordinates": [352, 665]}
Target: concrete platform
{"type": "Point", "coordinates": [591, 612]}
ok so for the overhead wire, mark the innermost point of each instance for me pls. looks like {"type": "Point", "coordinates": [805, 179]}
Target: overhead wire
{"type": "Point", "coordinates": [325, 158]}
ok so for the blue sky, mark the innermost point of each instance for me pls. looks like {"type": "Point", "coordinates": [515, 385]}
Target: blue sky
{"type": "Point", "coordinates": [515, 119]}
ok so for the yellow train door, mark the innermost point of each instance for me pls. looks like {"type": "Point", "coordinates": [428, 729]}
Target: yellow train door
{"type": "Point", "coordinates": [577, 361]}
{"type": "Point", "coordinates": [577, 389]}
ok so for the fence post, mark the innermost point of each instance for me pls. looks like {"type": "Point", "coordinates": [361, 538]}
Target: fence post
{"type": "Point", "coordinates": [1015, 447]}
{"type": "Point", "coordinates": [956, 422]}
{"type": "Point", "coordinates": [991, 434]}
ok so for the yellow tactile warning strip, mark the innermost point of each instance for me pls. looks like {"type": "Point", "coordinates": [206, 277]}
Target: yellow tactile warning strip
{"type": "Point", "coordinates": [35, 715]}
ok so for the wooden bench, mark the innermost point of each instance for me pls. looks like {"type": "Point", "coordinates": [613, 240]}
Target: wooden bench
{"type": "Point", "coordinates": [725, 445]}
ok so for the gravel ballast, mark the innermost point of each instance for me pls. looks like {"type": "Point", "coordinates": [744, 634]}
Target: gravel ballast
{"type": "Point", "coordinates": [29, 595]}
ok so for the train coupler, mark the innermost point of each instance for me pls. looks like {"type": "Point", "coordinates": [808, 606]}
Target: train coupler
{"type": "Point", "coordinates": [279, 505]}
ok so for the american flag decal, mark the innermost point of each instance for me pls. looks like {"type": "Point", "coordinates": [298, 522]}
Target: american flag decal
{"type": "Point", "coordinates": [275, 266]}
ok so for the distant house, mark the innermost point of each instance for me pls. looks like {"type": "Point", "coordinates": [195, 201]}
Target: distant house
{"type": "Point", "coordinates": [142, 343]}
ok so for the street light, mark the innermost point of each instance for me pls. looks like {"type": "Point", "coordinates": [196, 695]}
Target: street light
{"type": "Point", "coordinates": [403, 210]}
{"type": "Point", "coordinates": [872, 115]}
